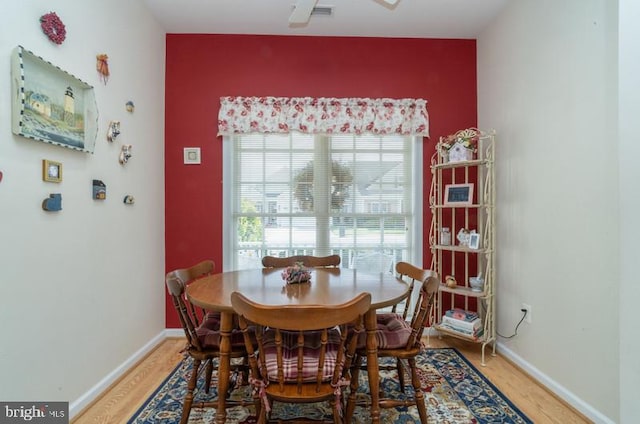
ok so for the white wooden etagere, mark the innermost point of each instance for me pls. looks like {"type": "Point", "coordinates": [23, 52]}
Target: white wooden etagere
{"type": "Point", "coordinates": [456, 259]}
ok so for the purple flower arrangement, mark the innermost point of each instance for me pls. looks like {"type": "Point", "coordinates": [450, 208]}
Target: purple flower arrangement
{"type": "Point", "coordinates": [296, 274]}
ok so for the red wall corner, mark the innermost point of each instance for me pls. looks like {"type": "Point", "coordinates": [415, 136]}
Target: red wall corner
{"type": "Point", "coordinates": [202, 68]}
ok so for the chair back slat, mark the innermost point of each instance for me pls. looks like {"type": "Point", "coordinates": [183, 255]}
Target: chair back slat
{"type": "Point", "coordinates": [306, 260]}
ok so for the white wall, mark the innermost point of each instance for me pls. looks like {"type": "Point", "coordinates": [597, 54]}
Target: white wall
{"type": "Point", "coordinates": [547, 78]}
{"type": "Point", "coordinates": [629, 142]}
{"type": "Point", "coordinates": [82, 289]}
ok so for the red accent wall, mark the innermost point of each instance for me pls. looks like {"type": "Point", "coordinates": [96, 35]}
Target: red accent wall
{"type": "Point", "coordinates": [200, 68]}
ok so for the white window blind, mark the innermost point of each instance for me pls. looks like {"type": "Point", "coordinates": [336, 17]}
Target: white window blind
{"type": "Point", "coordinates": [294, 194]}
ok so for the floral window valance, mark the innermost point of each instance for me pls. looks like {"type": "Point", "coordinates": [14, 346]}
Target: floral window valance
{"type": "Point", "coordinates": [243, 115]}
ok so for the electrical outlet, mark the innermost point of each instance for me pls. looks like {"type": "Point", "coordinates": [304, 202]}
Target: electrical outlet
{"type": "Point", "coordinates": [527, 308]}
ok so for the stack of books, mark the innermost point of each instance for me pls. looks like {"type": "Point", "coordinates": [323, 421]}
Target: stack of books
{"type": "Point", "coordinates": [464, 322]}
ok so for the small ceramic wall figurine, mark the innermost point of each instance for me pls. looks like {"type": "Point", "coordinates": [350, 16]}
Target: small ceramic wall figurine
{"type": "Point", "coordinates": [53, 203]}
{"type": "Point", "coordinates": [114, 130]}
{"type": "Point", "coordinates": [99, 190]}
{"type": "Point", "coordinates": [129, 199]}
{"type": "Point", "coordinates": [125, 153]}
{"type": "Point", "coordinates": [102, 66]}
{"type": "Point", "coordinates": [130, 106]}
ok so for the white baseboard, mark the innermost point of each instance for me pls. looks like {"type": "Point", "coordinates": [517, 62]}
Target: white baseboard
{"type": "Point", "coordinates": [83, 401]}
{"type": "Point", "coordinates": [587, 410]}
{"type": "Point", "coordinates": [174, 332]}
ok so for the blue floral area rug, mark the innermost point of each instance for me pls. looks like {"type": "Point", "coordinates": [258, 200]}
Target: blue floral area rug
{"type": "Point", "coordinates": [455, 392]}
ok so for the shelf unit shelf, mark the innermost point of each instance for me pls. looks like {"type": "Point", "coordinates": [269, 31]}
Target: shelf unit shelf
{"type": "Point", "coordinates": [462, 291]}
{"type": "Point", "coordinates": [454, 333]}
{"type": "Point", "coordinates": [454, 248]}
{"type": "Point", "coordinates": [474, 206]}
{"type": "Point", "coordinates": [478, 213]}
{"type": "Point", "coordinates": [466, 163]}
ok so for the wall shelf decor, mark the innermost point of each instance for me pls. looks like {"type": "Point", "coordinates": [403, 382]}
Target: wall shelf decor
{"type": "Point", "coordinates": [99, 190]}
{"type": "Point", "coordinates": [51, 105]}
{"type": "Point", "coordinates": [53, 203]}
{"type": "Point", "coordinates": [465, 308]}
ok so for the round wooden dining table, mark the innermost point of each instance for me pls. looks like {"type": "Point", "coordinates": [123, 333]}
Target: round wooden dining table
{"type": "Point", "coordinates": [328, 286]}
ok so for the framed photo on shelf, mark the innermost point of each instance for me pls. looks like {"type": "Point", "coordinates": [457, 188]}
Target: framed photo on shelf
{"type": "Point", "coordinates": [458, 194]}
{"type": "Point", "coordinates": [51, 171]}
{"type": "Point", "coordinates": [51, 105]}
{"type": "Point", "coordinates": [474, 241]}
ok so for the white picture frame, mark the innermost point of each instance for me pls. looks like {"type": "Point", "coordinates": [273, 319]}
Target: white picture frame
{"type": "Point", "coordinates": [192, 156]}
{"type": "Point", "coordinates": [474, 241]}
{"type": "Point", "coordinates": [458, 194]}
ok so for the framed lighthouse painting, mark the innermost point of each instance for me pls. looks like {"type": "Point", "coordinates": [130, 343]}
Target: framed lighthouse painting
{"type": "Point", "coordinates": [50, 104]}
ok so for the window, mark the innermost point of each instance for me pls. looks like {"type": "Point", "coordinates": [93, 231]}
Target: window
{"type": "Point", "coordinates": [294, 194]}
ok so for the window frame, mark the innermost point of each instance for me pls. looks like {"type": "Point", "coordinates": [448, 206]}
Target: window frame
{"type": "Point", "coordinates": [417, 170]}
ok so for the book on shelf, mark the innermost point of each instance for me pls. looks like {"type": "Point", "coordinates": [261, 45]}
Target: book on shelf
{"type": "Point", "coordinates": [461, 314]}
{"type": "Point", "coordinates": [463, 325]}
{"type": "Point", "coordinates": [472, 329]}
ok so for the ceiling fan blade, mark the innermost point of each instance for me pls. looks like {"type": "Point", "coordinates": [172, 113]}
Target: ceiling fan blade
{"type": "Point", "coordinates": [302, 11]}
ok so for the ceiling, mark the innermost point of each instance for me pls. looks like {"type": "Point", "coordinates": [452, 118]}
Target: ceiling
{"type": "Point", "coordinates": [360, 18]}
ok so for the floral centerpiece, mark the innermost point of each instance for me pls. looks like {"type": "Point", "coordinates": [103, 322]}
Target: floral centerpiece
{"type": "Point", "coordinates": [296, 274]}
{"type": "Point", "coordinates": [459, 146]}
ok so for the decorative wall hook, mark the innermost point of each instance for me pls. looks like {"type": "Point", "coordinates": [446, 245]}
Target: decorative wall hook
{"type": "Point", "coordinates": [125, 153]}
{"type": "Point", "coordinates": [53, 203]}
{"type": "Point", "coordinates": [129, 199]}
{"type": "Point", "coordinates": [114, 130]}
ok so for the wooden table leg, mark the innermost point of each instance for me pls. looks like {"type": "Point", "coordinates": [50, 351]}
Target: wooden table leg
{"type": "Point", "coordinates": [372, 365]}
{"type": "Point", "coordinates": [224, 364]}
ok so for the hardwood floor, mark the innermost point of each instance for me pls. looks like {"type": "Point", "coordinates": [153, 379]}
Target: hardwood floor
{"type": "Point", "coordinates": [124, 398]}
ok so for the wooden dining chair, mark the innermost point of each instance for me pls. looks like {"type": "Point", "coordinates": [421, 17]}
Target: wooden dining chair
{"type": "Point", "coordinates": [376, 262]}
{"type": "Point", "coordinates": [331, 261]}
{"type": "Point", "coordinates": [187, 275]}
{"type": "Point", "coordinates": [304, 352]}
{"type": "Point", "coordinates": [410, 274]}
{"type": "Point", "coordinates": [203, 339]}
{"type": "Point", "coordinates": [401, 340]}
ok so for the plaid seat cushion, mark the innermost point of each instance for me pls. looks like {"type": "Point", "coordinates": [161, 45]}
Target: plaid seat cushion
{"type": "Point", "coordinates": [209, 333]}
{"type": "Point", "coordinates": [392, 332]}
{"type": "Point", "coordinates": [311, 353]}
